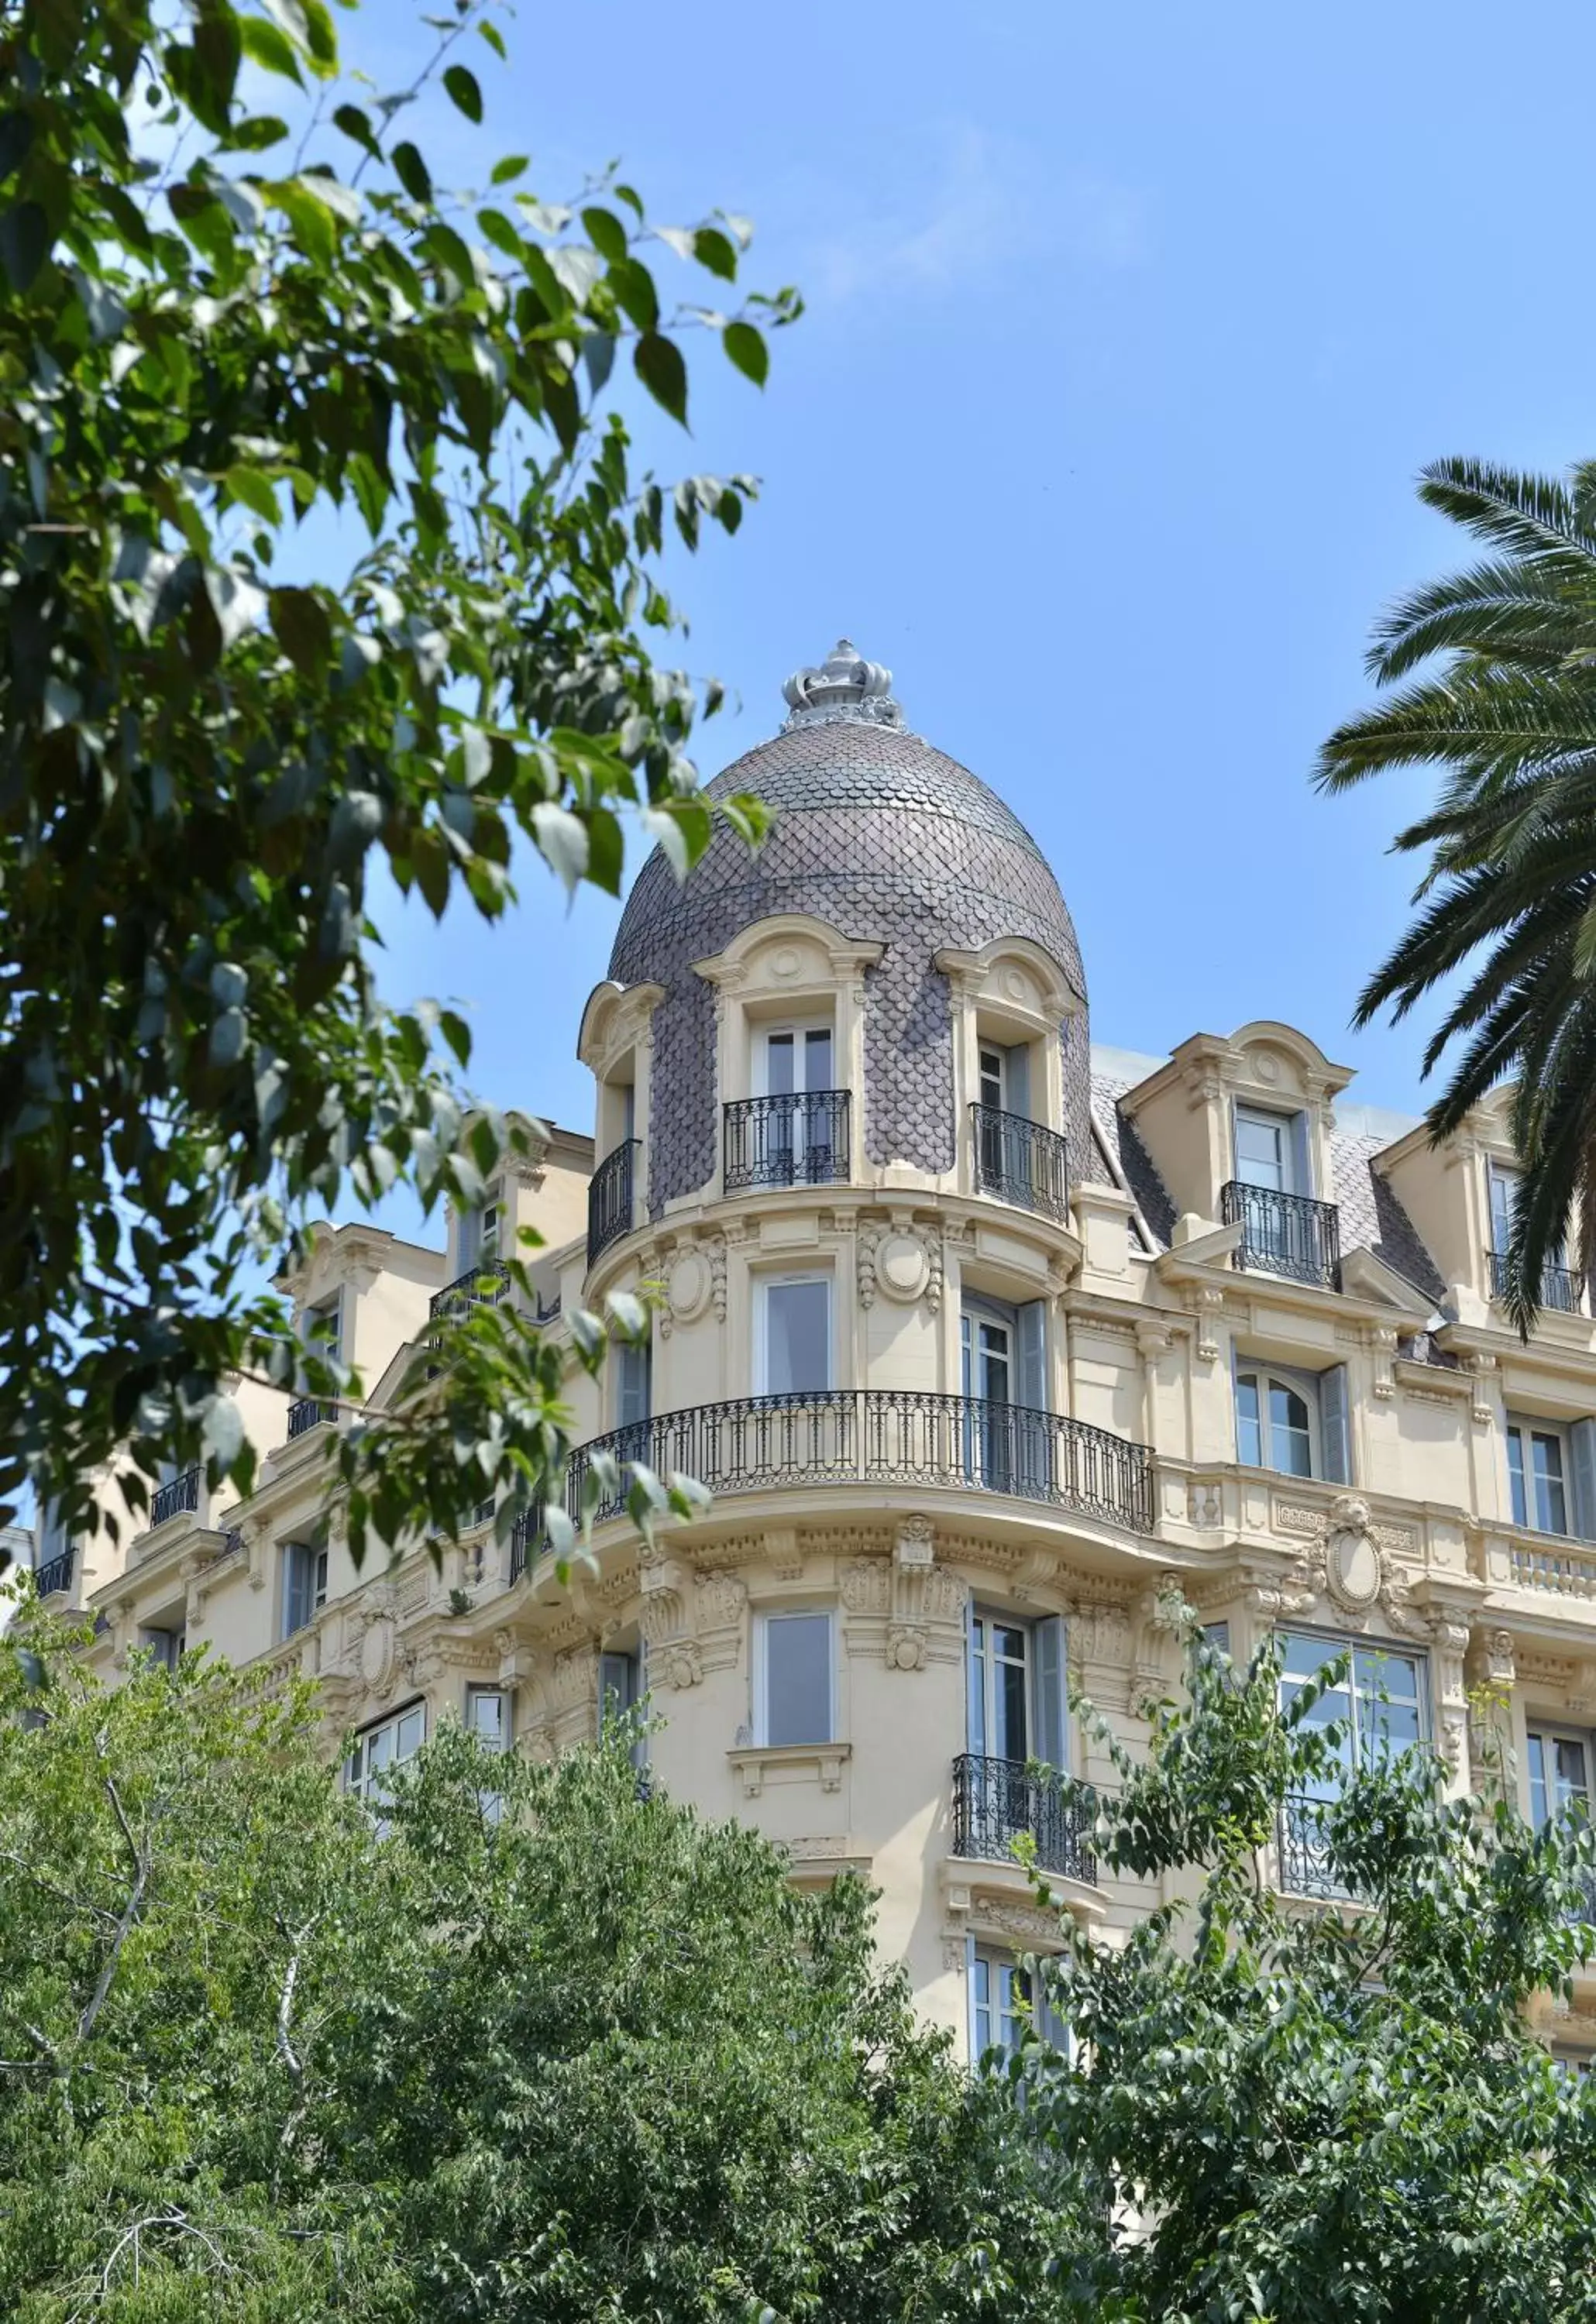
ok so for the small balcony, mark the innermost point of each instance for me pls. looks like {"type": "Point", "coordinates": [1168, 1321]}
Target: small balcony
{"type": "Point", "coordinates": [1305, 1867]}
{"type": "Point", "coordinates": [180, 1498]}
{"type": "Point", "coordinates": [1563, 1288]}
{"type": "Point", "coordinates": [1020, 1162]}
{"type": "Point", "coordinates": [54, 1580]}
{"type": "Point", "coordinates": [883, 1436]}
{"type": "Point", "coordinates": [797, 1139]}
{"type": "Point", "coordinates": [481, 1286]}
{"type": "Point", "coordinates": [610, 1197]}
{"type": "Point", "coordinates": [1284, 1234]}
{"type": "Point", "coordinates": [306, 1414]}
{"type": "Point", "coordinates": [994, 1801]}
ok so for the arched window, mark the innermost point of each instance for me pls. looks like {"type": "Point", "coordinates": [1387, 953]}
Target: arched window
{"type": "Point", "coordinates": [1277, 1425]}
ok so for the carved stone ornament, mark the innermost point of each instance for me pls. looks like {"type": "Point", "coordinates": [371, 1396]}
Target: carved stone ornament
{"type": "Point", "coordinates": [379, 1654]}
{"type": "Point", "coordinates": [689, 1285]}
{"type": "Point", "coordinates": [1205, 1507]}
{"type": "Point", "coordinates": [845, 687]}
{"type": "Point", "coordinates": [1353, 1570]}
{"type": "Point", "coordinates": [677, 1664]}
{"type": "Point", "coordinates": [1348, 1564]}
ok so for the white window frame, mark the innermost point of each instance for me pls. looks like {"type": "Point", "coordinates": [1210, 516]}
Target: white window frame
{"type": "Point", "coordinates": [1526, 1425]}
{"type": "Point", "coordinates": [764, 1287]}
{"type": "Point", "coordinates": [1352, 1643]}
{"type": "Point", "coordinates": [1545, 1731]}
{"type": "Point", "coordinates": [1295, 1151]}
{"type": "Point", "coordinates": [1003, 1972]}
{"type": "Point", "coordinates": [358, 1775]}
{"type": "Point", "coordinates": [1502, 1174]}
{"type": "Point", "coordinates": [797, 1030]}
{"type": "Point", "coordinates": [763, 1623]}
{"type": "Point", "coordinates": [1303, 1384]}
{"type": "Point", "coordinates": [504, 1696]}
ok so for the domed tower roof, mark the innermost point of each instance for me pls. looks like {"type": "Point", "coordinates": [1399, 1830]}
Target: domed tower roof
{"type": "Point", "coordinates": [889, 840]}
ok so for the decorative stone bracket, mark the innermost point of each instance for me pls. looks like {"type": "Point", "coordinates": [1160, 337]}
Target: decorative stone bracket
{"type": "Point", "coordinates": [824, 1761]}
{"type": "Point", "coordinates": [908, 1610]}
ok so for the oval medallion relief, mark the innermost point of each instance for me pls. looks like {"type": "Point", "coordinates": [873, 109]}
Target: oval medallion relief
{"type": "Point", "coordinates": [1352, 1569]}
{"type": "Point", "coordinates": [376, 1653]}
{"type": "Point", "coordinates": [902, 1267]}
{"type": "Point", "coordinates": [689, 1286]}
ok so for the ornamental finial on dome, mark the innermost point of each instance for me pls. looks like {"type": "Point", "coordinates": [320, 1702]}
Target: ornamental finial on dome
{"type": "Point", "coordinates": [845, 685]}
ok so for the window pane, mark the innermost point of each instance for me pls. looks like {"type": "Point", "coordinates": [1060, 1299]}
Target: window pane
{"type": "Point", "coordinates": [1290, 1442]}
{"type": "Point", "coordinates": [485, 1709]}
{"type": "Point", "coordinates": [977, 1684]}
{"type": "Point", "coordinates": [798, 1678]}
{"type": "Point", "coordinates": [991, 1078]}
{"type": "Point", "coordinates": [1260, 1151]}
{"type": "Point", "coordinates": [817, 1060]}
{"type": "Point", "coordinates": [1540, 1799]}
{"type": "Point", "coordinates": [1249, 1433]}
{"type": "Point", "coordinates": [411, 1728]}
{"type": "Point", "coordinates": [1551, 1514]}
{"type": "Point", "coordinates": [779, 1077]}
{"type": "Point", "coordinates": [797, 1354]}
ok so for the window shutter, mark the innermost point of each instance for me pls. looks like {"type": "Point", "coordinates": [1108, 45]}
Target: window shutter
{"type": "Point", "coordinates": [470, 1236]}
{"type": "Point", "coordinates": [1048, 2023]}
{"type": "Point", "coordinates": [1335, 1424]}
{"type": "Point", "coordinates": [295, 1611]}
{"type": "Point", "coordinates": [1052, 1736]}
{"type": "Point", "coordinates": [1032, 1335]}
{"type": "Point", "coordinates": [1581, 1463]}
{"type": "Point", "coordinates": [1301, 1165]}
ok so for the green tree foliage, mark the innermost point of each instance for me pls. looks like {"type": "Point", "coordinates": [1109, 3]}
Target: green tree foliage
{"type": "Point", "coordinates": [548, 2049]}
{"type": "Point", "coordinates": [1508, 901]}
{"type": "Point", "coordinates": [242, 327]}
{"type": "Point", "coordinates": [1286, 2113]}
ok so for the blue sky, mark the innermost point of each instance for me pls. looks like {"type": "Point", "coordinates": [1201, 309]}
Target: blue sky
{"type": "Point", "coordinates": [1128, 330]}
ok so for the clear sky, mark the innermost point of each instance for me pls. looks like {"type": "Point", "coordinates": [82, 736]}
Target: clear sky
{"type": "Point", "coordinates": [1128, 330]}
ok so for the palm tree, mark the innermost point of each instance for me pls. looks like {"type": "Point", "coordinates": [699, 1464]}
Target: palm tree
{"type": "Point", "coordinates": [1509, 895]}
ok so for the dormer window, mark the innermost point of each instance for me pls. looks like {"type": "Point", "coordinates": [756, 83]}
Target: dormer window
{"type": "Point", "coordinates": [794, 1129]}
{"type": "Point", "coordinates": [322, 1324]}
{"type": "Point", "coordinates": [1285, 1231]}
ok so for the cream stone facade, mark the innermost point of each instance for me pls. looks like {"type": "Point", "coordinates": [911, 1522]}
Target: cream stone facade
{"type": "Point", "coordinates": [980, 1338]}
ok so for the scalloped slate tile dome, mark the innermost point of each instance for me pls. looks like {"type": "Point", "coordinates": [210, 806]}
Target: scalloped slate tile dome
{"type": "Point", "coordinates": [892, 843]}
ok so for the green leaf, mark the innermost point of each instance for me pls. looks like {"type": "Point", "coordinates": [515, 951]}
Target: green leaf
{"type": "Point", "coordinates": [462, 87]}
{"type": "Point", "coordinates": [267, 45]}
{"type": "Point", "coordinates": [411, 172]}
{"type": "Point", "coordinates": [310, 221]}
{"type": "Point", "coordinates": [513, 165]}
{"type": "Point", "coordinates": [658, 365]}
{"type": "Point", "coordinates": [320, 38]}
{"type": "Point", "coordinates": [747, 348]}
{"type": "Point", "coordinates": [493, 36]}
{"type": "Point", "coordinates": [501, 232]}
{"type": "Point", "coordinates": [302, 628]}
{"type": "Point", "coordinates": [606, 233]}
{"type": "Point", "coordinates": [24, 238]}
{"type": "Point", "coordinates": [633, 286]}
{"type": "Point", "coordinates": [354, 123]}
{"type": "Point", "coordinates": [715, 250]}
{"type": "Point", "coordinates": [253, 489]}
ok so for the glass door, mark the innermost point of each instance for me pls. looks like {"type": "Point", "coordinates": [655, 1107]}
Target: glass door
{"type": "Point", "coordinates": [987, 1355]}
{"type": "Point", "coordinates": [1000, 1709]}
{"type": "Point", "coordinates": [798, 1072]}
{"type": "Point", "coordinates": [1558, 1775]}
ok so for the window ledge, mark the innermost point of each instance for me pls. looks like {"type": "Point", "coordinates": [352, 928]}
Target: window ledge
{"type": "Point", "coordinates": [796, 1760]}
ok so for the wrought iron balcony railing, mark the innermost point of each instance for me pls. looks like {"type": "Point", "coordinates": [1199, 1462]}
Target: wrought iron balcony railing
{"type": "Point", "coordinates": [55, 1577]}
{"type": "Point", "coordinates": [1284, 1234]}
{"type": "Point", "coordinates": [526, 1538]}
{"type": "Point", "coordinates": [308, 1412]}
{"type": "Point", "coordinates": [610, 1197]}
{"type": "Point", "coordinates": [1563, 1288]}
{"type": "Point", "coordinates": [882, 1436]}
{"type": "Point", "coordinates": [480, 1285]}
{"type": "Point", "coordinates": [182, 1494]}
{"type": "Point", "coordinates": [1020, 1162]}
{"type": "Point", "coordinates": [1306, 1868]}
{"type": "Point", "coordinates": [798, 1139]}
{"type": "Point", "coordinates": [996, 1800]}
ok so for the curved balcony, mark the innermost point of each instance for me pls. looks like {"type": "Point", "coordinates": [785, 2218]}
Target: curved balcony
{"type": "Point", "coordinates": [994, 1801]}
{"type": "Point", "coordinates": [797, 1139]}
{"type": "Point", "coordinates": [612, 1198]}
{"type": "Point", "coordinates": [1020, 1161]}
{"type": "Point", "coordinates": [1563, 1288]}
{"type": "Point", "coordinates": [883, 1436]}
{"type": "Point", "coordinates": [306, 1413]}
{"type": "Point", "coordinates": [479, 1287]}
{"type": "Point", "coordinates": [1284, 1234]}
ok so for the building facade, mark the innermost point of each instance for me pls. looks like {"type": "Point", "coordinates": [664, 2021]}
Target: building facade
{"type": "Point", "coordinates": [980, 1337]}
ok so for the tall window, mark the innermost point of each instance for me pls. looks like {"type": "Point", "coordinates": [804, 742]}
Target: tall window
{"type": "Point", "coordinates": [795, 1679]}
{"type": "Point", "coordinates": [1295, 1421]}
{"type": "Point", "coordinates": [323, 1324]}
{"type": "Point", "coordinates": [1559, 1774]}
{"type": "Point", "coordinates": [378, 1750]}
{"type": "Point", "coordinates": [795, 1348]}
{"type": "Point", "coordinates": [1501, 1190]}
{"type": "Point", "coordinates": [794, 1067]}
{"type": "Point", "coordinates": [796, 1059]}
{"type": "Point", "coordinates": [479, 1235]}
{"type": "Point", "coordinates": [1004, 1374]}
{"type": "Point", "coordinates": [55, 1535]}
{"type": "Point", "coordinates": [487, 1715]}
{"type": "Point", "coordinates": [1381, 1705]}
{"type": "Point", "coordinates": [304, 1585]}
{"type": "Point", "coordinates": [1015, 1700]}
{"type": "Point", "coordinates": [1536, 1475]}
{"type": "Point", "coordinates": [634, 1373]}
{"type": "Point", "coordinates": [1000, 1995]}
